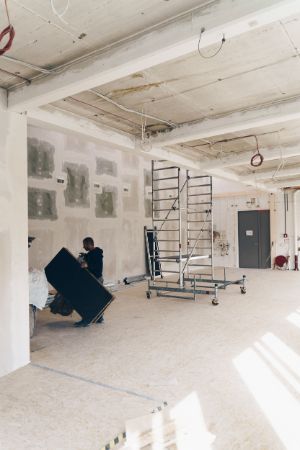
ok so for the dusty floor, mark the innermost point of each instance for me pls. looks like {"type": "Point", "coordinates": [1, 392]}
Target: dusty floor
{"type": "Point", "coordinates": [234, 368]}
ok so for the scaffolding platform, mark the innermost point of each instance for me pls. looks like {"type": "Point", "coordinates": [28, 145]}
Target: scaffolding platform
{"type": "Point", "coordinates": [182, 236]}
{"type": "Point", "coordinates": [193, 286]}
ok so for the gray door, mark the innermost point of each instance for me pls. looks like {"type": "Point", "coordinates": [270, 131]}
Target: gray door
{"type": "Point", "coordinates": [254, 239]}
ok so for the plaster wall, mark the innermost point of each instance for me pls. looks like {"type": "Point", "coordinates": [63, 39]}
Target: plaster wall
{"type": "Point", "coordinates": [226, 223]}
{"type": "Point", "coordinates": [103, 194]}
{"type": "Point", "coordinates": [14, 313]}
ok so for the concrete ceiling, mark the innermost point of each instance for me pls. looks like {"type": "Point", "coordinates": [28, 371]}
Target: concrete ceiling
{"type": "Point", "coordinates": [42, 39]}
{"type": "Point", "coordinates": [278, 136]}
{"type": "Point", "coordinates": [248, 71]}
{"type": "Point", "coordinates": [255, 69]}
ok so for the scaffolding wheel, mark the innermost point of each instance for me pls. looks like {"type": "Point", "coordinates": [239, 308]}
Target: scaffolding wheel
{"type": "Point", "coordinates": [243, 290]}
{"type": "Point", "coordinates": [215, 301]}
{"type": "Point", "coordinates": [148, 294]}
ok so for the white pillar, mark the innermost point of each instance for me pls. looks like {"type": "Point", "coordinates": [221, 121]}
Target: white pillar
{"type": "Point", "coordinates": [296, 223]}
{"type": "Point", "coordinates": [14, 309]}
{"type": "Point", "coordinates": [273, 226]}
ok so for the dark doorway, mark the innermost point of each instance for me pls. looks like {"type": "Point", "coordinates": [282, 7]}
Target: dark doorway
{"type": "Point", "coordinates": [254, 239]}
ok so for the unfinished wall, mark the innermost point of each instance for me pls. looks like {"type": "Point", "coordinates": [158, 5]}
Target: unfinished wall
{"type": "Point", "coordinates": [14, 312]}
{"type": "Point", "coordinates": [226, 224]}
{"type": "Point", "coordinates": [92, 190]}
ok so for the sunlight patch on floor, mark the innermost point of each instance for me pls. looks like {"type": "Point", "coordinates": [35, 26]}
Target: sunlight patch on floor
{"type": "Point", "coordinates": [284, 353]}
{"type": "Point", "coordinates": [294, 318]}
{"type": "Point", "coordinates": [258, 368]}
{"type": "Point", "coordinates": [180, 428]}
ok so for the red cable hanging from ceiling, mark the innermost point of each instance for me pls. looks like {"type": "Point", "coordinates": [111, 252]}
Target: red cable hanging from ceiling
{"type": "Point", "coordinates": [258, 158]}
{"type": "Point", "coordinates": [10, 31]}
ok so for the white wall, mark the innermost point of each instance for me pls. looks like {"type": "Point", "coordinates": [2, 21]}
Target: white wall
{"type": "Point", "coordinates": [121, 237]}
{"type": "Point", "coordinates": [220, 186]}
{"type": "Point", "coordinates": [14, 313]}
{"type": "Point", "coordinates": [226, 222]}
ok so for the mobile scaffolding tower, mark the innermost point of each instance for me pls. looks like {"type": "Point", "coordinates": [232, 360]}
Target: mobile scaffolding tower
{"type": "Point", "coordinates": [182, 236]}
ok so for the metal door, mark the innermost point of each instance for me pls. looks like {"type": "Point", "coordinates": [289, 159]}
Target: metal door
{"type": "Point", "coordinates": [254, 239]}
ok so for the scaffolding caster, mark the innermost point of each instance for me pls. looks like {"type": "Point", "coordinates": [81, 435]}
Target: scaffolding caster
{"type": "Point", "coordinates": [148, 294]}
{"type": "Point", "coordinates": [215, 301]}
{"type": "Point", "coordinates": [243, 287]}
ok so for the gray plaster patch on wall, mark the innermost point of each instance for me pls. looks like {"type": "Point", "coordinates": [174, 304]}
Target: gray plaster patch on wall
{"type": "Point", "coordinates": [106, 202]}
{"type": "Point", "coordinates": [147, 178]}
{"type": "Point", "coordinates": [148, 207]}
{"type": "Point", "coordinates": [106, 167]}
{"type": "Point", "coordinates": [131, 199]}
{"type": "Point", "coordinates": [41, 204]}
{"type": "Point", "coordinates": [40, 157]}
{"type": "Point", "coordinates": [77, 190]}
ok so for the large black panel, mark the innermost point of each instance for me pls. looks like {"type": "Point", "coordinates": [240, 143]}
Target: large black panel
{"type": "Point", "coordinates": [87, 296]}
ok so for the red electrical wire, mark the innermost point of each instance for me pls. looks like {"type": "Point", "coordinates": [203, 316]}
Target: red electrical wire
{"type": "Point", "coordinates": [258, 158]}
{"type": "Point", "coordinates": [10, 31]}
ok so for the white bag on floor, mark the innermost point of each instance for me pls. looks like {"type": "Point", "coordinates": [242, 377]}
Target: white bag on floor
{"type": "Point", "coordinates": [38, 288]}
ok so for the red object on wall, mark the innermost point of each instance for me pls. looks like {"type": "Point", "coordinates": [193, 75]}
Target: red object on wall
{"type": "Point", "coordinates": [281, 261]}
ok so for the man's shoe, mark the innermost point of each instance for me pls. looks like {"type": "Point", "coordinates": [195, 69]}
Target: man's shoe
{"type": "Point", "coordinates": [77, 324]}
{"type": "Point", "coordinates": [100, 320]}
{"type": "Point", "coordinates": [81, 324]}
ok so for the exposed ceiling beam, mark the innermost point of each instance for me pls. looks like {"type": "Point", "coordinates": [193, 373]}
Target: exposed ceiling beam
{"type": "Point", "coordinates": [170, 155]}
{"type": "Point", "coordinates": [286, 184]}
{"type": "Point", "coordinates": [260, 116]}
{"type": "Point", "coordinates": [188, 163]}
{"type": "Point", "coordinates": [164, 43]}
{"type": "Point", "coordinates": [72, 123]}
{"type": "Point", "coordinates": [269, 174]}
{"type": "Point", "coordinates": [228, 175]}
{"type": "Point", "coordinates": [269, 154]}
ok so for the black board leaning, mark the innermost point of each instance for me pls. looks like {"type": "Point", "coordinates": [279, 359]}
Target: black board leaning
{"type": "Point", "coordinates": [85, 293]}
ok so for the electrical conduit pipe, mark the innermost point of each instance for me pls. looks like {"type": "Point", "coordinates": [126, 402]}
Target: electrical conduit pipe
{"type": "Point", "coordinates": [296, 229]}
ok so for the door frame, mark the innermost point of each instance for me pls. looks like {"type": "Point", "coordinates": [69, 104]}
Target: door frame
{"type": "Point", "coordinates": [271, 215]}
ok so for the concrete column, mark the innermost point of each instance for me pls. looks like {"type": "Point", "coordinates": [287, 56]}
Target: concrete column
{"type": "Point", "coordinates": [14, 310]}
{"type": "Point", "coordinates": [273, 226]}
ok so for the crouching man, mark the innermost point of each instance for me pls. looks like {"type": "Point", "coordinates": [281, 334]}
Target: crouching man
{"type": "Point", "coordinates": [93, 262]}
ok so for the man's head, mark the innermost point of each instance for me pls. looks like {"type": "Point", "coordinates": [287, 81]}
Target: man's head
{"type": "Point", "coordinates": [88, 243]}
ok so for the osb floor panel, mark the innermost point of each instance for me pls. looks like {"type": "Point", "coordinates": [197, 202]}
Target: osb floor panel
{"type": "Point", "coordinates": [233, 369]}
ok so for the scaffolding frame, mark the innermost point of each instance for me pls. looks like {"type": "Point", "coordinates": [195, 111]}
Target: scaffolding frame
{"type": "Point", "coordinates": [182, 217]}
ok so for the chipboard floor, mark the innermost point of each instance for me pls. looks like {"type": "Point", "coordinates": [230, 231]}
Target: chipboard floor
{"type": "Point", "coordinates": [233, 371]}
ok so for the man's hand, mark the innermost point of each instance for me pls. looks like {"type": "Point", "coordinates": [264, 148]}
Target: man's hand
{"type": "Point", "coordinates": [84, 265]}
